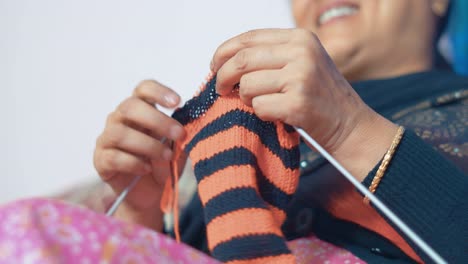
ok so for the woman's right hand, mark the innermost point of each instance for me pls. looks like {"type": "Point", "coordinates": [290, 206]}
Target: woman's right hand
{"type": "Point", "coordinates": [131, 145]}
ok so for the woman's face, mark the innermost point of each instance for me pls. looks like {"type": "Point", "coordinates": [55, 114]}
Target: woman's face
{"type": "Point", "coordinates": [371, 38]}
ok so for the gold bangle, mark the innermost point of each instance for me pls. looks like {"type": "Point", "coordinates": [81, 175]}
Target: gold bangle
{"type": "Point", "coordinates": [386, 160]}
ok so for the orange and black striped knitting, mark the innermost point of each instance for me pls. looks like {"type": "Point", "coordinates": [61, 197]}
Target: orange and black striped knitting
{"type": "Point", "coordinates": [247, 171]}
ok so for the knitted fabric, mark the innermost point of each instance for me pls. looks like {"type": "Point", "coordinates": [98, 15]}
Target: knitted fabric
{"type": "Point", "coordinates": [247, 171]}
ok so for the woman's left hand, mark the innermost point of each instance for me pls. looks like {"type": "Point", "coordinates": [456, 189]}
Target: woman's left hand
{"type": "Point", "coordinates": [286, 75]}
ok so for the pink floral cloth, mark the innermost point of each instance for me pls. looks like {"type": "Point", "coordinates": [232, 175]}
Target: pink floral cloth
{"type": "Point", "coordinates": [51, 231]}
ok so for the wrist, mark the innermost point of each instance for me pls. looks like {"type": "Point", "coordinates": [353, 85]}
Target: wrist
{"type": "Point", "coordinates": [366, 144]}
{"type": "Point", "coordinates": [150, 218]}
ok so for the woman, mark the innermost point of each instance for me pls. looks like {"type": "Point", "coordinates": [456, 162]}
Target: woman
{"type": "Point", "coordinates": [367, 66]}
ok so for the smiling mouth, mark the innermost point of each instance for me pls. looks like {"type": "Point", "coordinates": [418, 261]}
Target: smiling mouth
{"type": "Point", "coordinates": [337, 12]}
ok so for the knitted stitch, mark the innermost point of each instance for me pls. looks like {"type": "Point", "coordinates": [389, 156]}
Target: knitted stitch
{"type": "Point", "coordinates": [247, 171]}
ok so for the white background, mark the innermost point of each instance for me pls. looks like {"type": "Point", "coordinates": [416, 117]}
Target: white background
{"type": "Point", "coordinates": [64, 65]}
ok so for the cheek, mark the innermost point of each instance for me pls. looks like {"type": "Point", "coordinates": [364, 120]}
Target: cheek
{"type": "Point", "coordinates": [391, 18]}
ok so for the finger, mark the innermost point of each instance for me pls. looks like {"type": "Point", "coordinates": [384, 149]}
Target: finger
{"type": "Point", "coordinates": [271, 107]}
{"type": "Point", "coordinates": [249, 39]}
{"type": "Point", "coordinates": [248, 60]}
{"type": "Point", "coordinates": [112, 162]}
{"type": "Point", "coordinates": [148, 118]}
{"type": "Point", "coordinates": [135, 142]}
{"type": "Point", "coordinates": [259, 83]}
{"type": "Point", "coordinates": [154, 92]}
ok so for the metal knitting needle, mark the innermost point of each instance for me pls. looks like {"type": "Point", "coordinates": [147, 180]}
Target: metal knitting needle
{"type": "Point", "coordinates": [125, 192]}
{"type": "Point", "coordinates": [375, 201]}
{"type": "Point", "coordinates": [122, 196]}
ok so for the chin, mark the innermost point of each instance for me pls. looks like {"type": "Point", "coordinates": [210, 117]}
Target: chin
{"type": "Point", "coordinates": [342, 52]}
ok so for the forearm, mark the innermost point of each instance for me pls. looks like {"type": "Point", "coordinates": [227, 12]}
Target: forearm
{"type": "Point", "coordinates": [420, 186]}
{"type": "Point", "coordinates": [429, 193]}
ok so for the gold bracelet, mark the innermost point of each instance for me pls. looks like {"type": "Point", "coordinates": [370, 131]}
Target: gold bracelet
{"type": "Point", "coordinates": [386, 160]}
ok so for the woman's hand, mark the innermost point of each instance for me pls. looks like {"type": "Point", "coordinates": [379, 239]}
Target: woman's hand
{"type": "Point", "coordinates": [131, 145]}
{"type": "Point", "coordinates": [286, 74]}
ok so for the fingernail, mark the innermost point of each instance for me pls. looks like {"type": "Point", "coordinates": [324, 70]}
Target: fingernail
{"type": "Point", "coordinates": [167, 154]}
{"type": "Point", "coordinates": [171, 99]}
{"type": "Point", "coordinates": [175, 132]}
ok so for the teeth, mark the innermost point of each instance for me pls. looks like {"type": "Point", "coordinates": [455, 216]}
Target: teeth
{"type": "Point", "coordinates": [336, 12]}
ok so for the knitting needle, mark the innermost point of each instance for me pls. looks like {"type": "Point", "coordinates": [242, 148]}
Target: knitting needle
{"type": "Point", "coordinates": [125, 192]}
{"type": "Point", "coordinates": [375, 201]}
{"type": "Point", "coordinates": [122, 196]}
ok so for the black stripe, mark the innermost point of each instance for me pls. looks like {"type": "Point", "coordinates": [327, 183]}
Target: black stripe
{"type": "Point", "coordinates": [242, 156]}
{"type": "Point", "coordinates": [198, 105]}
{"type": "Point", "coordinates": [250, 247]}
{"type": "Point", "coordinates": [266, 131]}
{"type": "Point", "coordinates": [224, 159]}
{"type": "Point", "coordinates": [272, 194]}
{"type": "Point", "coordinates": [289, 129]}
{"type": "Point", "coordinates": [232, 200]}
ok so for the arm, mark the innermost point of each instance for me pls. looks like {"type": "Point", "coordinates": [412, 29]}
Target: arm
{"type": "Point", "coordinates": [287, 75]}
{"type": "Point", "coordinates": [429, 193]}
{"type": "Point", "coordinates": [421, 186]}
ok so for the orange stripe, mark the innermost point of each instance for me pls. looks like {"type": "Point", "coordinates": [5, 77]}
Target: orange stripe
{"type": "Point", "coordinates": [286, 140]}
{"type": "Point", "coordinates": [226, 179]}
{"type": "Point", "coordinates": [222, 105]}
{"type": "Point", "coordinates": [240, 223]}
{"type": "Point", "coordinates": [281, 259]}
{"type": "Point", "coordinates": [270, 164]}
{"type": "Point", "coordinates": [278, 214]}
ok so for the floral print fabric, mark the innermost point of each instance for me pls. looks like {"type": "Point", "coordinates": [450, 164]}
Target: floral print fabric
{"type": "Point", "coordinates": [52, 231]}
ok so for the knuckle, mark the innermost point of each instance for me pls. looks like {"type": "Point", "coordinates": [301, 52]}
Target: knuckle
{"type": "Point", "coordinates": [244, 83]}
{"type": "Point", "coordinates": [109, 162]}
{"type": "Point", "coordinates": [244, 94]}
{"type": "Point", "coordinates": [217, 52]}
{"type": "Point", "coordinates": [248, 37]}
{"type": "Point", "coordinates": [241, 60]}
{"type": "Point", "coordinates": [107, 175]}
{"type": "Point", "coordinates": [112, 137]}
{"type": "Point", "coordinates": [304, 35]}
{"type": "Point", "coordinates": [112, 140]}
{"type": "Point", "coordinates": [112, 118]}
{"type": "Point", "coordinates": [220, 77]}
{"type": "Point", "coordinates": [127, 106]}
{"type": "Point", "coordinates": [258, 108]}
{"type": "Point", "coordinates": [144, 87]}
